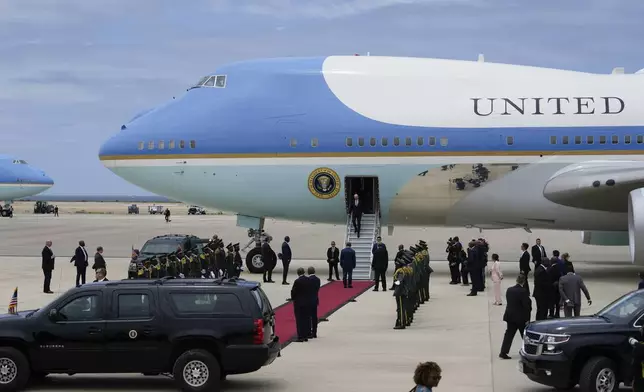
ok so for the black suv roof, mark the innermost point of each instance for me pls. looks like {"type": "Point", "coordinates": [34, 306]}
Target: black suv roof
{"type": "Point", "coordinates": [171, 281]}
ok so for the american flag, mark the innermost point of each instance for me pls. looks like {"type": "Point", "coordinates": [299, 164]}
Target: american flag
{"type": "Point", "coordinates": [13, 304]}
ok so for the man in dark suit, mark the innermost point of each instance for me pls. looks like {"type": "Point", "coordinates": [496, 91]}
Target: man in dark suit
{"type": "Point", "coordinates": [517, 314]}
{"type": "Point", "coordinates": [286, 258]}
{"type": "Point", "coordinates": [377, 244]}
{"type": "Point", "coordinates": [333, 258]}
{"type": "Point", "coordinates": [48, 259]}
{"type": "Point", "coordinates": [301, 297]}
{"type": "Point", "coordinates": [80, 260]}
{"type": "Point", "coordinates": [267, 258]}
{"type": "Point", "coordinates": [101, 274]}
{"type": "Point", "coordinates": [542, 292]}
{"type": "Point", "coordinates": [315, 301]}
{"type": "Point", "coordinates": [538, 252]}
{"type": "Point", "coordinates": [524, 265]}
{"type": "Point", "coordinates": [348, 263]}
{"type": "Point", "coordinates": [99, 261]}
{"type": "Point", "coordinates": [379, 265]}
{"type": "Point", "coordinates": [355, 209]}
{"type": "Point", "coordinates": [475, 260]}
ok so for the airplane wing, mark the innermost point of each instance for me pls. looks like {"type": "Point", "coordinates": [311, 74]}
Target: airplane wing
{"type": "Point", "coordinates": [596, 185]}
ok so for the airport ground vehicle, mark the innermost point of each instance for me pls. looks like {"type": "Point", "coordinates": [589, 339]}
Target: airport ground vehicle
{"type": "Point", "coordinates": [198, 331]}
{"type": "Point", "coordinates": [196, 210]}
{"type": "Point", "coordinates": [155, 210]}
{"type": "Point", "coordinates": [42, 207]}
{"type": "Point", "coordinates": [591, 351]}
{"type": "Point", "coordinates": [133, 209]}
{"type": "Point", "coordinates": [6, 211]}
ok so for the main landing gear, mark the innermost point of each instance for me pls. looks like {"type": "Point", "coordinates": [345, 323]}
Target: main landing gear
{"type": "Point", "coordinates": [254, 260]}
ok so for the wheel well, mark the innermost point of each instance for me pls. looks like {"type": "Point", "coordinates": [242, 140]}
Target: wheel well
{"type": "Point", "coordinates": [585, 354]}
{"type": "Point", "coordinates": [18, 345]}
{"type": "Point", "coordinates": [209, 344]}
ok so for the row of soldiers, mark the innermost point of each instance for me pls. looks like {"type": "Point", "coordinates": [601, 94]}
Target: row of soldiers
{"type": "Point", "coordinates": [411, 282]}
{"type": "Point", "coordinates": [212, 261]}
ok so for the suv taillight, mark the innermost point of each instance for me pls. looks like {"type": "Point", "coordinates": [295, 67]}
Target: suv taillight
{"type": "Point", "coordinates": [258, 338]}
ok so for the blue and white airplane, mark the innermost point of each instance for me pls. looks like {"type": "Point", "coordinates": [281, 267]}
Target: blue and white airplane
{"type": "Point", "coordinates": [425, 142]}
{"type": "Point", "coordinates": [19, 179]}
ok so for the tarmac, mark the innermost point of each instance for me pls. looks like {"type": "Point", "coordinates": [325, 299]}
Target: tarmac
{"type": "Point", "coordinates": [357, 348]}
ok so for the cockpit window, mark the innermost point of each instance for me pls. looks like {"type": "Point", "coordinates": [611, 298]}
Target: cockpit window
{"type": "Point", "coordinates": [19, 162]}
{"type": "Point", "coordinates": [216, 81]}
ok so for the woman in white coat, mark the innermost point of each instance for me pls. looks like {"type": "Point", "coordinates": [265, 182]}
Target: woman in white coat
{"type": "Point", "coordinates": [497, 277]}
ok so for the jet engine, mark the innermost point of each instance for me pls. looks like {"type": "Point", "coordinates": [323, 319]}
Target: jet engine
{"type": "Point", "coordinates": [605, 238]}
{"type": "Point", "coordinates": [636, 225]}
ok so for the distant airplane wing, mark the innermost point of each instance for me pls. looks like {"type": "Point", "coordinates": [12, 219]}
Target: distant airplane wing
{"type": "Point", "coordinates": [596, 185]}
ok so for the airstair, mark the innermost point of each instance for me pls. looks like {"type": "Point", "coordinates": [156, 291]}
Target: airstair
{"type": "Point", "coordinates": [369, 230]}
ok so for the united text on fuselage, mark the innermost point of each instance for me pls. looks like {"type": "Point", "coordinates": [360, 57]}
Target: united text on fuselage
{"type": "Point", "coordinates": [548, 106]}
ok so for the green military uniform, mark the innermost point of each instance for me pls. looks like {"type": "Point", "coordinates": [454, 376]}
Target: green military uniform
{"type": "Point", "coordinates": [400, 292]}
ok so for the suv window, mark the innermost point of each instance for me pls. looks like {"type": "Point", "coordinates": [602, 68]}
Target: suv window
{"type": "Point", "coordinates": [262, 301]}
{"type": "Point", "coordinates": [134, 306]}
{"type": "Point", "coordinates": [624, 308]}
{"type": "Point", "coordinates": [160, 247]}
{"type": "Point", "coordinates": [206, 303]}
{"type": "Point", "coordinates": [85, 308]}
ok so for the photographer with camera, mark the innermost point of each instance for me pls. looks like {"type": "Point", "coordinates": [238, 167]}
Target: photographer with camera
{"type": "Point", "coordinates": [638, 361]}
{"type": "Point", "coordinates": [454, 250]}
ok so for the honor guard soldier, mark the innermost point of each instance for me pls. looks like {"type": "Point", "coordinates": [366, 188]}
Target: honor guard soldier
{"type": "Point", "coordinates": [399, 255]}
{"type": "Point", "coordinates": [229, 265]}
{"type": "Point", "coordinates": [427, 270]}
{"type": "Point", "coordinates": [399, 293]}
{"type": "Point", "coordinates": [238, 262]}
{"type": "Point", "coordinates": [220, 260]}
{"type": "Point", "coordinates": [408, 299]}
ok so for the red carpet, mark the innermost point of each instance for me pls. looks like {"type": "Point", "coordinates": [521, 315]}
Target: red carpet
{"type": "Point", "coordinates": [333, 296]}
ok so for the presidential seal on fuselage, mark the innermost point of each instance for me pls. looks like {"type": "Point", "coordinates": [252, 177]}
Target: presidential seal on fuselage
{"type": "Point", "coordinates": [324, 183]}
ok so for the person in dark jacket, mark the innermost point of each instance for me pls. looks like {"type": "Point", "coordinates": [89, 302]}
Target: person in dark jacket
{"type": "Point", "coordinates": [524, 265]}
{"type": "Point", "coordinates": [48, 259]}
{"type": "Point", "coordinates": [637, 366]}
{"type": "Point", "coordinates": [379, 265]}
{"type": "Point", "coordinates": [542, 292]}
{"type": "Point", "coordinates": [99, 261]}
{"type": "Point", "coordinates": [517, 313]}
{"type": "Point", "coordinates": [568, 266]}
{"type": "Point", "coordinates": [315, 301]}
{"type": "Point", "coordinates": [333, 258]}
{"type": "Point", "coordinates": [286, 256]}
{"type": "Point", "coordinates": [555, 271]}
{"type": "Point", "coordinates": [641, 284]}
{"type": "Point", "coordinates": [301, 293]}
{"type": "Point", "coordinates": [80, 260]}
{"type": "Point", "coordinates": [475, 265]}
{"type": "Point", "coordinates": [355, 210]}
{"type": "Point", "coordinates": [348, 263]}
{"type": "Point", "coordinates": [267, 258]}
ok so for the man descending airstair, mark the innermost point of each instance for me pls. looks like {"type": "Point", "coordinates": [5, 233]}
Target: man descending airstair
{"type": "Point", "coordinates": [362, 229]}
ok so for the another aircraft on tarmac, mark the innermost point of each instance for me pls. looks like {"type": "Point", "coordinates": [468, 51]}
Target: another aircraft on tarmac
{"type": "Point", "coordinates": [425, 142]}
{"type": "Point", "coordinates": [19, 179]}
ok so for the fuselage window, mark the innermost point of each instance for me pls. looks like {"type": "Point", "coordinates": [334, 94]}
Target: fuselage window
{"type": "Point", "coordinates": [193, 144]}
{"type": "Point", "coordinates": [182, 144]}
{"type": "Point", "coordinates": [577, 139]}
{"type": "Point", "coordinates": [432, 140]}
{"type": "Point", "coordinates": [627, 139]}
{"type": "Point", "coordinates": [408, 141]}
{"type": "Point", "coordinates": [384, 141]}
{"type": "Point", "coordinates": [171, 145]}
{"type": "Point", "coordinates": [590, 139]}
{"type": "Point", "coordinates": [314, 142]}
{"type": "Point", "coordinates": [614, 139]}
{"type": "Point", "coordinates": [509, 140]}
{"type": "Point", "coordinates": [420, 141]}
{"type": "Point", "coordinates": [372, 142]}
{"type": "Point", "coordinates": [293, 143]}
{"type": "Point", "coordinates": [361, 141]}
{"type": "Point", "coordinates": [396, 141]}
{"type": "Point", "coordinates": [640, 139]}
{"type": "Point", "coordinates": [349, 142]}
{"type": "Point", "coordinates": [220, 81]}
{"type": "Point", "coordinates": [602, 139]}
{"type": "Point", "coordinates": [161, 144]}
{"type": "Point", "coordinates": [564, 140]}
{"type": "Point", "coordinates": [443, 141]}
{"type": "Point", "coordinates": [150, 145]}
{"type": "Point", "coordinates": [553, 140]}
{"type": "Point", "coordinates": [141, 145]}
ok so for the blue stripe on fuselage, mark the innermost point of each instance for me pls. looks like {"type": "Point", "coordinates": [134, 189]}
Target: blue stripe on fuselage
{"type": "Point", "coordinates": [266, 103]}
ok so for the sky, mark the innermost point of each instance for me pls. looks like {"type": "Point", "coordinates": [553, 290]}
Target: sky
{"type": "Point", "coordinates": [73, 71]}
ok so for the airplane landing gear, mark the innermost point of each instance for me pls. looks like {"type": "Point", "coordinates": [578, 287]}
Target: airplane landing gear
{"type": "Point", "coordinates": [254, 260]}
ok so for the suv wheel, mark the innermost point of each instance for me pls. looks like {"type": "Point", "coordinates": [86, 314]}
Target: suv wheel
{"type": "Point", "coordinates": [197, 370]}
{"type": "Point", "coordinates": [598, 375]}
{"type": "Point", "coordinates": [14, 369]}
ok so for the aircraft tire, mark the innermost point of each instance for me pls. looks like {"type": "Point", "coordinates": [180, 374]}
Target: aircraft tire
{"type": "Point", "coordinates": [258, 266]}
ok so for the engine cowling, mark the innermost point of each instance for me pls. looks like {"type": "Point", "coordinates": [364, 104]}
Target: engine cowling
{"type": "Point", "coordinates": [636, 225]}
{"type": "Point", "coordinates": [605, 238]}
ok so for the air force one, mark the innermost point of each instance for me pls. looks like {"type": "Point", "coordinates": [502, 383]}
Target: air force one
{"type": "Point", "coordinates": [424, 142]}
{"type": "Point", "coordinates": [19, 179]}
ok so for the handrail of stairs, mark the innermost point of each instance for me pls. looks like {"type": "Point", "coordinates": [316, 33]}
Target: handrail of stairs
{"type": "Point", "coordinates": [347, 231]}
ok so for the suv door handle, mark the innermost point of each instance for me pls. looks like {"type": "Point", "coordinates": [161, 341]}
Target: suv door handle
{"type": "Point", "coordinates": [94, 330]}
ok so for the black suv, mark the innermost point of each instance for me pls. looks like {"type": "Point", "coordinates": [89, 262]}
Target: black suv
{"type": "Point", "coordinates": [591, 351]}
{"type": "Point", "coordinates": [168, 243]}
{"type": "Point", "coordinates": [198, 331]}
